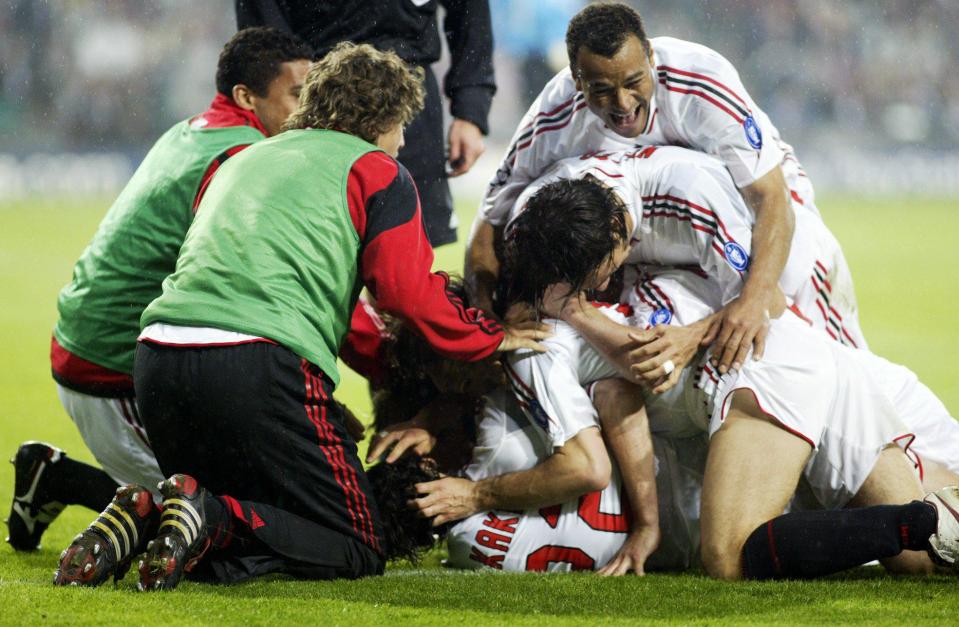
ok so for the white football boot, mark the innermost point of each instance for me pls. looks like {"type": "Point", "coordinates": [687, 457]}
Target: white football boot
{"type": "Point", "coordinates": [944, 544]}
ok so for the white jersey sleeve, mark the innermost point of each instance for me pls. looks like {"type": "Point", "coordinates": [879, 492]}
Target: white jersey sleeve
{"type": "Point", "coordinates": [549, 386]}
{"type": "Point", "coordinates": [701, 98]}
{"type": "Point", "coordinates": [557, 125]}
{"type": "Point", "coordinates": [692, 215]}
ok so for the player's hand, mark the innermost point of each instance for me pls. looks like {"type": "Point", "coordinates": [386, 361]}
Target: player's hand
{"type": "Point", "coordinates": [402, 437]}
{"type": "Point", "coordinates": [466, 146]}
{"type": "Point", "coordinates": [524, 335]}
{"type": "Point", "coordinates": [661, 353]}
{"type": "Point", "coordinates": [446, 499]}
{"type": "Point", "coordinates": [639, 545]}
{"type": "Point", "coordinates": [743, 324]}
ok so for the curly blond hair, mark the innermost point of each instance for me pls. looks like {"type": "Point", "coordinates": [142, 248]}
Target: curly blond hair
{"type": "Point", "coordinates": [359, 90]}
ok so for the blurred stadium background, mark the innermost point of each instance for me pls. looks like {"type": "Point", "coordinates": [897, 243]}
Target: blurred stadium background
{"type": "Point", "coordinates": [866, 91]}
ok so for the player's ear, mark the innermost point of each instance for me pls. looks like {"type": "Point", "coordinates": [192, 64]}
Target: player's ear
{"type": "Point", "coordinates": [576, 80]}
{"type": "Point", "coordinates": [243, 97]}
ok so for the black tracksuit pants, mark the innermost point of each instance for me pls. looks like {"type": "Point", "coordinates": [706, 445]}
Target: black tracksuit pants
{"type": "Point", "coordinates": [256, 425]}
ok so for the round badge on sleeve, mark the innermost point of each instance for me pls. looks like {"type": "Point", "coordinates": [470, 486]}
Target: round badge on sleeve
{"type": "Point", "coordinates": [737, 256]}
{"type": "Point", "coordinates": [660, 316]}
{"type": "Point", "coordinates": [753, 135]}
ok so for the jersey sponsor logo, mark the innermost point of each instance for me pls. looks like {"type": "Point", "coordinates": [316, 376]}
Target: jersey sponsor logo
{"type": "Point", "coordinates": [753, 135]}
{"type": "Point", "coordinates": [660, 316]}
{"type": "Point", "coordinates": [736, 256]}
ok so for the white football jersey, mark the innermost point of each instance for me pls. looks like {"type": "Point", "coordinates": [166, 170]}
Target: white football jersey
{"type": "Point", "coordinates": [698, 102]}
{"type": "Point", "coordinates": [687, 213]}
{"type": "Point", "coordinates": [583, 534]}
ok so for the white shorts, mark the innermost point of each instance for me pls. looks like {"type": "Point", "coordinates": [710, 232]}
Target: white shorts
{"type": "Point", "coordinates": [112, 431]}
{"type": "Point", "coordinates": [934, 433]}
{"type": "Point", "coordinates": [831, 396]}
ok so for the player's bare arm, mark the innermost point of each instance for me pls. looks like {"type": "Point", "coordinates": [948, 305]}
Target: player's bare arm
{"type": "Point", "coordinates": [745, 321]}
{"type": "Point", "coordinates": [653, 358]}
{"type": "Point", "coordinates": [582, 465]}
{"type": "Point", "coordinates": [482, 266]}
{"type": "Point", "coordinates": [626, 431]}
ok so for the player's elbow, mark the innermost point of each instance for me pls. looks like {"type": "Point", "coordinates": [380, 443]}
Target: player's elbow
{"type": "Point", "coordinates": [595, 477]}
{"type": "Point", "coordinates": [594, 471]}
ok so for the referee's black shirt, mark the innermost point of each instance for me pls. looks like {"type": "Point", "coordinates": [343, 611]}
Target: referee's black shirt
{"type": "Point", "coordinates": [408, 27]}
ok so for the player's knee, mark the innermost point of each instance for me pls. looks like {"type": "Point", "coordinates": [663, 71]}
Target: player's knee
{"type": "Point", "coordinates": [616, 397]}
{"type": "Point", "coordinates": [910, 563]}
{"type": "Point", "coordinates": [722, 555]}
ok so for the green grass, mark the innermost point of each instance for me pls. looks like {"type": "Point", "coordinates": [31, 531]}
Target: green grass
{"type": "Point", "coordinates": [907, 272]}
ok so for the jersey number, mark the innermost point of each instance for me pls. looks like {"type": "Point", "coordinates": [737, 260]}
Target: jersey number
{"type": "Point", "coordinates": [540, 559]}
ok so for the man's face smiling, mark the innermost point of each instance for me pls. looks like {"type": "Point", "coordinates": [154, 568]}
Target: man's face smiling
{"type": "Point", "coordinates": [617, 89]}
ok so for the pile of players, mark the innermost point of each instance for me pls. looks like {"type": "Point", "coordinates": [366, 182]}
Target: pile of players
{"type": "Point", "coordinates": [725, 412]}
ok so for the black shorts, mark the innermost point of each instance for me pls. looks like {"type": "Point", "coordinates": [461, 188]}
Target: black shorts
{"type": "Point", "coordinates": [257, 426]}
{"type": "Point", "coordinates": [424, 155]}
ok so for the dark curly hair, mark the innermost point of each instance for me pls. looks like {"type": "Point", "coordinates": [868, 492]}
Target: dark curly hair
{"type": "Point", "coordinates": [407, 534]}
{"type": "Point", "coordinates": [253, 58]}
{"type": "Point", "coordinates": [565, 233]}
{"type": "Point", "coordinates": [603, 28]}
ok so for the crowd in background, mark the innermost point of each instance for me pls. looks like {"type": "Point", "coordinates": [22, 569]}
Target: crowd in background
{"type": "Point", "coordinates": [91, 75]}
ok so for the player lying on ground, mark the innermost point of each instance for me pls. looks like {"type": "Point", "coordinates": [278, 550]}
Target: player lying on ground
{"type": "Point", "coordinates": [258, 80]}
{"type": "Point", "coordinates": [236, 363]}
{"type": "Point", "coordinates": [684, 210]}
{"type": "Point", "coordinates": [586, 525]}
{"type": "Point", "coordinates": [623, 90]}
{"type": "Point", "coordinates": [811, 408]}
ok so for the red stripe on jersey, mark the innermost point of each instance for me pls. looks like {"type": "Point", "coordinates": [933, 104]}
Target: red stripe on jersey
{"type": "Point", "coordinates": [793, 308]}
{"type": "Point", "coordinates": [551, 112]}
{"type": "Point", "coordinates": [547, 129]}
{"type": "Point", "coordinates": [652, 121]}
{"type": "Point", "coordinates": [612, 176]}
{"type": "Point", "coordinates": [796, 197]}
{"type": "Point", "coordinates": [661, 293]}
{"type": "Point", "coordinates": [702, 95]}
{"type": "Point", "coordinates": [693, 205]}
{"type": "Point", "coordinates": [708, 79]}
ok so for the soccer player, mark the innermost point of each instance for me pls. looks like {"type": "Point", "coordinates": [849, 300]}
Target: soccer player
{"type": "Point", "coordinates": [236, 363]}
{"type": "Point", "coordinates": [811, 408]}
{"type": "Point", "coordinates": [258, 80]}
{"type": "Point", "coordinates": [686, 211]}
{"type": "Point", "coordinates": [623, 89]}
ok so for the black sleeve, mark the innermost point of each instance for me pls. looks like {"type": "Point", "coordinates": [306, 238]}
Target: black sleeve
{"type": "Point", "coordinates": [470, 83]}
{"type": "Point", "coordinates": [260, 13]}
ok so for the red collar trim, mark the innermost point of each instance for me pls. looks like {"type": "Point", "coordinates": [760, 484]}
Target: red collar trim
{"type": "Point", "coordinates": [223, 112]}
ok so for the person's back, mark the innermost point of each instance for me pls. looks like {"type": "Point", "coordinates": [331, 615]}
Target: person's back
{"type": "Point", "coordinates": [298, 238]}
{"type": "Point", "coordinates": [258, 76]}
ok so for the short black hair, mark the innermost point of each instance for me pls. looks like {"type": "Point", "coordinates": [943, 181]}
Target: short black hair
{"type": "Point", "coordinates": [603, 28]}
{"type": "Point", "coordinates": [566, 231]}
{"type": "Point", "coordinates": [253, 56]}
{"type": "Point", "coordinates": [407, 534]}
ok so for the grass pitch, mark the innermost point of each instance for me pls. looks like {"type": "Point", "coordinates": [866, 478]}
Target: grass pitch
{"type": "Point", "coordinates": [906, 265]}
